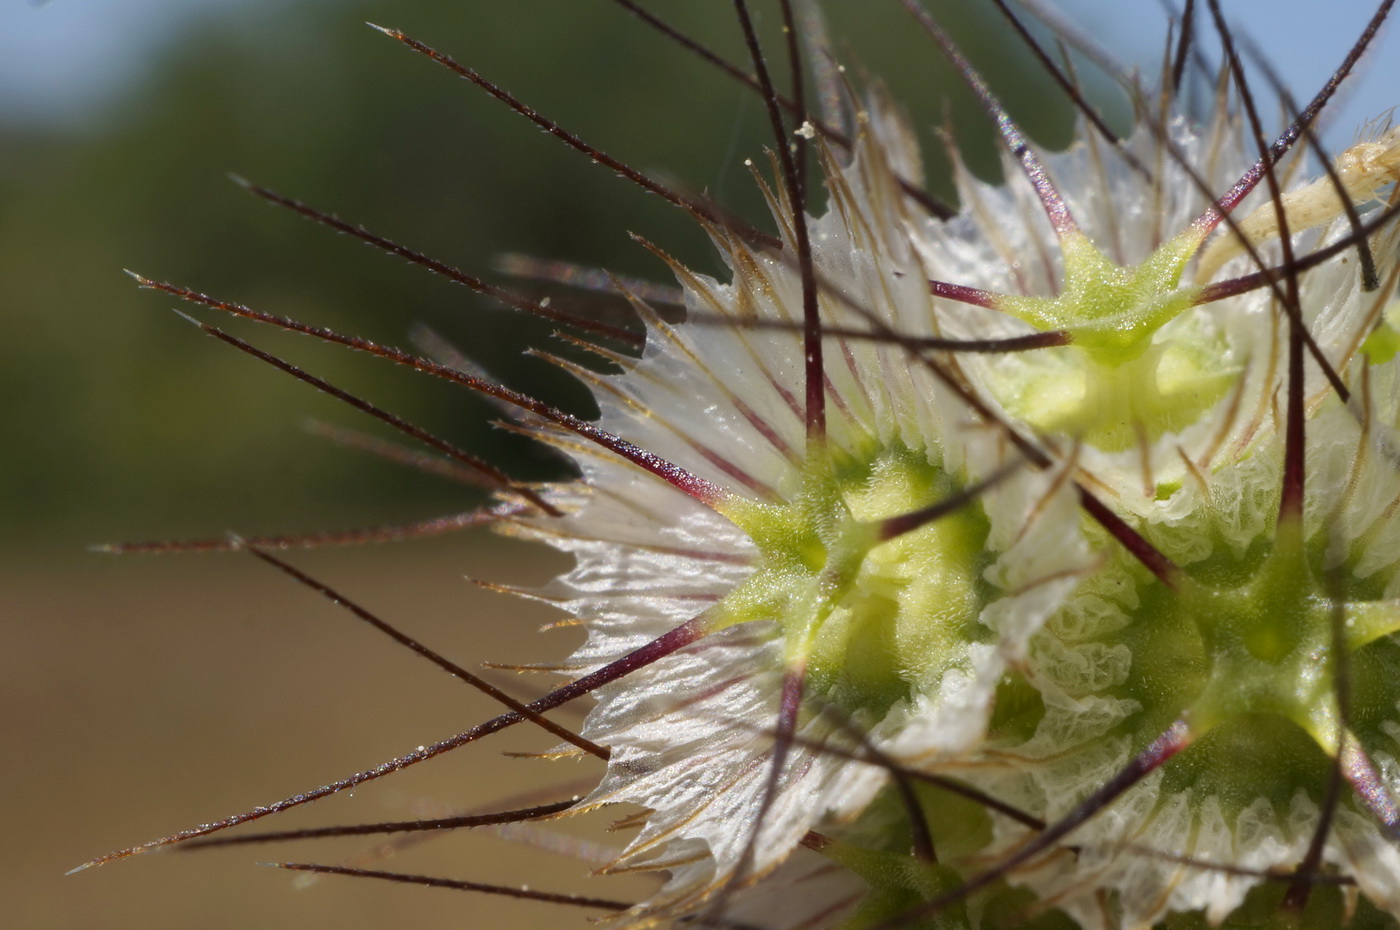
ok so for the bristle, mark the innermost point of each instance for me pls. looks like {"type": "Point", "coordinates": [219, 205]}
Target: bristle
{"type": "Point", "coordinates": [464, 821]}
{"type": "Point", "coordinates": [798, 139]}
{"type": "Point", "coordinates": [395, 453]}
{"type": "Point", "coordinates": [693, 485]}
{"type": "Point", "coordinates": [1010, 344]}
{"type": "Point", "coordinates": [905, 523]}
{"type": "Point", "coordinates": [1055, 208]}
{"type": "Point", "coordinates": [828, 130]}
{"type": "Point", "coordinates": [1183, 47]}
{"type": "Point", "coordinates": [500, 294]}
{"type": "Point", "coordinates": [1176, 738]}
{"type": "Point", "coordinates": [1227, 202]}
{"type": "Point", "coordinates": [490, 472]}
{"type": "Point", "coordinates": [590, 279]}
{"type": "Point", "coordinates": [1295, 445]}
{"type": "Point", "coordinates": [678, 638]}
{"type": "Point", "coordinates": [452, 668]}
{"type": "Point", "coordinates": [435, 526]}
{"type": "Point", "coordinates": [1370, 280]}
{"type": "Point", "coordinates": [1369, 786]}
{"type": "Point", "coordinates": [784, 738]}
{"type": "Point", "coordinates": [1087, 110]}
{"type": "Point", "coordinates": [1253, 281]}
{"type": "Point", "coordinates": [698, 209]}
{"type": "Point", "coordinates": [1306, 876]}
{"type": "Point", "coordinates": [793, 174]}
{"type": "Point", "coordinates": [963, 294]}
{"type": "Point", "coordinates": [525, 894]}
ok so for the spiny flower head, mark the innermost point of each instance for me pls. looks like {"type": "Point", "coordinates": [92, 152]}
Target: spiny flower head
{"type": "Point", "coordinates": [1032, 563]}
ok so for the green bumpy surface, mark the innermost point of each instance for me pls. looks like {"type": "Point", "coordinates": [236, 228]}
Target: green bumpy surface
{"type": "Point", "coordinates": [1247, 649]}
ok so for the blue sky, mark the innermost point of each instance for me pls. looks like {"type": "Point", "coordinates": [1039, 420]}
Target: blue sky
{"type": "Point", "coordinates": [61, 59]}
{"type": "Point", "coordinates": [1304, 41]}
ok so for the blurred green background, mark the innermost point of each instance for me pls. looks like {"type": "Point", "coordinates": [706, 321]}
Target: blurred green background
{"type": "Point", "coordinates": [123, 422]}
{"type": "Point", "coordinates": [147, 694]}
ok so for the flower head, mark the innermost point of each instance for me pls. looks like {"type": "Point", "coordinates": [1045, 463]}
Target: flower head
{"type": "Point", "coordinates": [1030, 562]}
{"type": "Point", "coordinates": [899, 592]}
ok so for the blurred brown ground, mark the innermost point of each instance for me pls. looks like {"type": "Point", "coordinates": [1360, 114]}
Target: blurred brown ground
{"type": "Point", "coordinates": [145, 695]}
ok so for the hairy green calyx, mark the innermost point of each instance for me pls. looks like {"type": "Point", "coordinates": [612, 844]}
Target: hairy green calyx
{"type": "Point", "coordinates": [875, 620]}
{"type": "Point", "coordinates": [1116, 384]}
